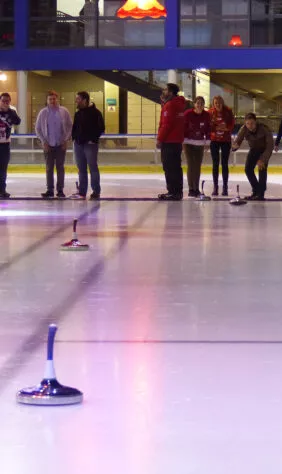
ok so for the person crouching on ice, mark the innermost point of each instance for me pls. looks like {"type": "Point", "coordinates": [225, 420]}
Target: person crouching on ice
{"type": "Point", "coordinates": [170, 139]}
{"type": "Point", "coordinates": [260, 140]}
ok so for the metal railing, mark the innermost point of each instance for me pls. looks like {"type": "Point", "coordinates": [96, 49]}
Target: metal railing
{"type": "Point", "coordinates": [124, 149]}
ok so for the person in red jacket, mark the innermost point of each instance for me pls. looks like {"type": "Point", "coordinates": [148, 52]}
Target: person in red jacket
{"type": "Point", "coordinates": [197, 135]}
{"type": "Point", "coordinates": [170, 139]}
{"type": "Point", "coordinates": [222, 124]}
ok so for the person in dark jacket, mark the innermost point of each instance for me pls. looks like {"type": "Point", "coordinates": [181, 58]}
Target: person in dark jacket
{"type": "Point", "coordinates": [170, 139]}
{"type": "Point", "coordinates": [8, 118]}
{"type": "Point", "coordinates": [87, 128]}
{"type": "Point", "coordinates": [260, 140]}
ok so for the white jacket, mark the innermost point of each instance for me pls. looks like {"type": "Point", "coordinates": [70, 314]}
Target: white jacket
{"type": "Point", "coordinates": [41, 126]}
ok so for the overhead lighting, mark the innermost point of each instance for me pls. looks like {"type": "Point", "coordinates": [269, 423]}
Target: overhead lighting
{"type": "Point", "coordinates": [3, 77]}
{"type": "Point", "coordinates": [236, 41]}
{"type": "Point", "coordinates": [140, 9]}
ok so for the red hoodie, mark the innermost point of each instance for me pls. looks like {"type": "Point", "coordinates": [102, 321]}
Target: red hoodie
{"type": "Point", "coordinates": [171, 129]}
{"type": "Point", "coordinates": [197, 127]}
{"type": "Point", "coordinates": [226, 118]}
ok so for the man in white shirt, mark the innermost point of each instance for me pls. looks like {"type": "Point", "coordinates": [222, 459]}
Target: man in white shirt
{"type": "Point", "coordinates": [53, 127]}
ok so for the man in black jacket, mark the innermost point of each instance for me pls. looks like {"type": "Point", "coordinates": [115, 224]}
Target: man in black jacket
{"type": "Point", "coordinates": [8, 118]}
{"type": "Point", "coordinates": [88, 126]}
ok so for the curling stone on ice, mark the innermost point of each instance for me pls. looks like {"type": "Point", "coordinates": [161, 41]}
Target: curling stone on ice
{"type": "Point", "coordinates": [202, 196]}
{"type": "Point", "coordinates": [238, 201]}
{"type": "Point", "coordinates": [74, 244]}
{"type": "Point", "coordinates": [50, 391]}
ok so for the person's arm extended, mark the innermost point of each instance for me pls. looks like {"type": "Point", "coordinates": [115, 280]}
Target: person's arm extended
{"type": "Point", "coordinates": [239, 139]}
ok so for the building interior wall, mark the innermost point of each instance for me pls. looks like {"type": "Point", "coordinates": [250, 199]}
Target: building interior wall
{"type": "Point", "coordinates": [142, 115]}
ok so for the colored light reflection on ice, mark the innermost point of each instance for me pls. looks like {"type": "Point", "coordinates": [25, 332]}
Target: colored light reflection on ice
{"type": "Point", "coordinates": [22, 213]}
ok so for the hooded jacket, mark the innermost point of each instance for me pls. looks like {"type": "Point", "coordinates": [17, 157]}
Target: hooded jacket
{"type": "Point", "coordinates": [88, 125]}
{"type": "Point", "coordinates": [171, 128]}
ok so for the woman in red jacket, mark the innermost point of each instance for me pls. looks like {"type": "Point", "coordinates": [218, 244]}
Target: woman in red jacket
{"type": "Point", "coordinates": [222, 124]}
{"type": "Point", "coordinates": [197, 135]}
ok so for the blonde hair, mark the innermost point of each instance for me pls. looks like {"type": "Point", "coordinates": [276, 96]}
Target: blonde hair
{"type": "Point", "coordinates": [219, 99]}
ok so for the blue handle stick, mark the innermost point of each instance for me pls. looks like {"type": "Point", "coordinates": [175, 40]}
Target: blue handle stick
{"type": "Point", "coordinates": [51, 339]}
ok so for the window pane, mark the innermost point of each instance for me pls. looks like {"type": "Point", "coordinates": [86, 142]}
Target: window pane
{"type": "Point", "coordinates": [212, 23]}
{"type": "Point", "coordinates": [77, 24]}
{"type": "Point", "coordinates": [266, 22]}
{"type": "Point", "coordinates": [129, 32]}
{"type": "Point", "coordinates": [6, 23]}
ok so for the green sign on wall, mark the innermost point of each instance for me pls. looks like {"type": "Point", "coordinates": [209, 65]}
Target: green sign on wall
{"type": "Point", "coordinates": [111, 101]}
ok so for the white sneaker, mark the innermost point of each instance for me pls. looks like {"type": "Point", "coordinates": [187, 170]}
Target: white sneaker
{"type": "Point", "coordinates": [77, 196]}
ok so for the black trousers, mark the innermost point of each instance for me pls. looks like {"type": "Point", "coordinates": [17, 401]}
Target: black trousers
{"type": "Point", "coordinates": [258, 185]}
{"type": "Point", "coordinates": [4, 161]}
{"type": "Point", "coordinates": [225, 148]}
{"type": "Point", "coordinates": [171, 161]}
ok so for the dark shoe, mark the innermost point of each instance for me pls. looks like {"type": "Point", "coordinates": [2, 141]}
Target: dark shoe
{"type": "Point", "coordinates": [47, 195]}
{"type": "Point", "coordinates": [178, 197]}
{"type": "Point", "coordinates": [224, 191]}
{"type": "Point", "coordinates": [191, 193]}
{"type": "Point", "coordinates": [251, 197]}
{"type": "Point", "coordinates": [197, 193]}
{"type": "Point", "coordinates": [61, 195]}
{"type": "Point", "coordinates": [94, 196]}
{"type": "Point", "coordinates": [170, 197]}
{"type": "Point", "coordinates": [215, 191]}
{"type": "Point", "coordinates": [259, 198]}
{"type": "Point", "coordinates": [4, 195]}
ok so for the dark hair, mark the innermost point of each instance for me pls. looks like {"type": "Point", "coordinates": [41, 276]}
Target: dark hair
{"type": "Point", "coordinates": [199, 97]}
{"type": "Point", "coordinates": [84, 96]}
{"type": "Point", "coordinates": [5, 94]}
{"type": "Point", "coordinates": [52, 92]}
{"type": "Point", "coordinates": [250, 116]}
{"type": "Point", "coordinates": [173, 88]}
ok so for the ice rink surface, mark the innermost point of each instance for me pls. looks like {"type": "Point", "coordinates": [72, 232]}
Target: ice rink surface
{"type": "Point", "coordinates": [171, 325]}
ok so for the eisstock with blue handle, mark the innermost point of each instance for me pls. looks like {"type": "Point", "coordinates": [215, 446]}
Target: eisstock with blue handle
{"type": "Point", "coordinates": [50, 391]}
{"type": "Point", "coordinates": [50, 373]}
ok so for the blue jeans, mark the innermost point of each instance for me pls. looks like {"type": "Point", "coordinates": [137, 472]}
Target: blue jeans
{"type": "Point", "coordinates": [87, 156]}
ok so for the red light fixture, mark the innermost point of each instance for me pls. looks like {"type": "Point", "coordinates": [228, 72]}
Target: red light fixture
{"type": "Point", "coordinates": [140, 9]}
{"type": "Point", "coordinates": [236, 41]}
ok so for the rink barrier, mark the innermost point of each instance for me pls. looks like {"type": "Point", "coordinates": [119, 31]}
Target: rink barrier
{"type": "Point", "coordinates": [37, 150]}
